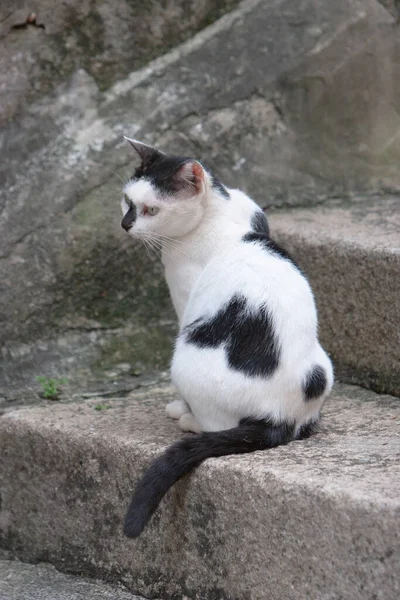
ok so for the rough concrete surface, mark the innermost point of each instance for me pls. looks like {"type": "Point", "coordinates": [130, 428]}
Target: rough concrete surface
{"type": "Point", "coordinates": [107, 39]}
{"type": "Point", "coordinates": [19, 581]}
{"type": "Point", "coordinates": [393, 6]}
{"type": "Point", "coordinates": [351, 254]}
{"type": "Point", "coordinates": [281, 98]}
{"type": "Point", "coordinates": [315, 519]}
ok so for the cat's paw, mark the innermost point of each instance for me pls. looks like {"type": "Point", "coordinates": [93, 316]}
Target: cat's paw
{"type": "Point", "coordinates": [187, 422]}
{"type": "Point", "coordinates": [176, 409]}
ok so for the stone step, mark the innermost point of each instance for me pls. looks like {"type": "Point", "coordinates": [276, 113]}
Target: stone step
{"type": "Point", "coordinates": [20, 581]}
{"type": "Point", "coordinates": [351, 254]}
{"type": "Point", "coordinates": [317, 519]}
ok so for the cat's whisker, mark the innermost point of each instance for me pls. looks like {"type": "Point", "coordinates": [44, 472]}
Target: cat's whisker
{"type": "Point", "coordinates": [168, 243]}
{"type": "Point", "coordinates": [165, 237]}
{"type": "Point", "coordinates": [147, 248]}
{"type": "Point", "coordinates": [119, 177]}
{"type": "Point", "coordinates": [145, 241]}
{"type": "Point", "coordinates": [172, 246]}
{"type": "Point", "coordinates": [151, 243]}
{"type": "Point", "coordinates": [165, 251]}
{"type": "Point", "coordinates": [167, 247]}
{"type": "Point", "coordinates": [156, 249]}
{"type": "Point", "coordinates": [168, 251]}
{"type": "Point", "coordinates": [154, 238]}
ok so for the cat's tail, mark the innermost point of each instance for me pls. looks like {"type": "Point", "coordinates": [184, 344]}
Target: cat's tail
{"type": "Point", "coordinates": [187, 454]}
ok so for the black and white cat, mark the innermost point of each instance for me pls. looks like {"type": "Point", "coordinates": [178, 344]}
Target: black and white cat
{"type": "Point", "coordinates": [248, 366]}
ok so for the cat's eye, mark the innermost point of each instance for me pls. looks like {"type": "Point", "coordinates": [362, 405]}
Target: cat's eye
{"type": "Point", "coordinates": [151, 210]}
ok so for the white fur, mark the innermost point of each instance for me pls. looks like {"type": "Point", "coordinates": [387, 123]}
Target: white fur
{"type": "Point", "coordinates": [188, 422]}
{"type": "Point", "coordinates": [176, 409]}
{"type": "Point", "coordinates": [206, 264]}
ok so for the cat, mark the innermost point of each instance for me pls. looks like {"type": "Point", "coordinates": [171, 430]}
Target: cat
{"type": "Point", "coordinates": [247, 363]}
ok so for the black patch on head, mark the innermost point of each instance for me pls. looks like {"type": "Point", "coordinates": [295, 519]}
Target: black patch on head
{"type": "Point", "coordinates": [260, 233]}
{"type": "Point", "coordinates": [307, 430]}
{"type": "Point", "coordinates": [315, 383]}
{"type": "Point", "coordinates": [249, 338]}
{"type": "Point", "coordinates": [129, 217]}
{"type": "Point", "coordinates": [219, 187]}
{"type": "Point", "coordinates": [161, 170]}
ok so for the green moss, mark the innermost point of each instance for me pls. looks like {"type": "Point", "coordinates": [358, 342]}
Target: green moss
{"type": "Point", "coordinates": [50, 387]}
{"type": "Point", "coordinates": [145, 349]}
{"type": "Point", "coordinates": [114, 291]}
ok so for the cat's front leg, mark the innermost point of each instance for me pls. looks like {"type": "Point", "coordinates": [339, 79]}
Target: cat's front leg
{"type": "Point", "coordinates": [176, 409]}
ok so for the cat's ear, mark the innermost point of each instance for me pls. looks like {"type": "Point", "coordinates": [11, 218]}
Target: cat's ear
{"type": "Point", "coordinates": [192, 177]}
{"type": "Point", "coordinates": [147, 153]}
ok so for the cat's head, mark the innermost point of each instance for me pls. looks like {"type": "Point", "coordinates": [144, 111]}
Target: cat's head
{"type": "Point", "coordinates": [165, 196]}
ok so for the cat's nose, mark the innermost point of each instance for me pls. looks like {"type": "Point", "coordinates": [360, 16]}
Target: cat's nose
{"type": "Point", "coordinates": [125, 224]}
{"type": "Point", "coordinates": [130, 217]}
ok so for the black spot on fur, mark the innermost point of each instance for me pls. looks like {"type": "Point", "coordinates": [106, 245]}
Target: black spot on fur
{"type": "Point", "coordinates": [307, 430]}
{"type": "Point", "coordinates": [129, 217]}
{"type": "Point", "coordinates": [219, 187]}
{"type": "Point", "coordinates": [315, 383]}
{"type": "Point", "coordinates": [161, 171]}
{"type": "Point", "coordinates": [259, 223]}
{"type": "Point", "coordinates": [281, 252]}
{"type": "Point", "coordinates": [185, 455]}
{"type": "Point", "coordinates": [248, 335]}
{"type": "Point", "coordinates": [260, 234]}
{"type": "Point", "coordinates": [271, 246]}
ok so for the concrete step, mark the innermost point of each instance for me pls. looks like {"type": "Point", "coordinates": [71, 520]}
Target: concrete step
{"type": "Point", "coordinates": [19, 581]}
{"type": "Point", "coordinates": [351, 254]}
{"type": "Point", "coordinates": [315, 520]}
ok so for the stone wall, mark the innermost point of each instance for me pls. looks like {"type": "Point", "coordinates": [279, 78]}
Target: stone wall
{"type": "Point", "coordinates": [107, 38]}
{"type": "Point", "coordinates": [393, 6]}
{"type": "Point", "coordinates": [295, 101]}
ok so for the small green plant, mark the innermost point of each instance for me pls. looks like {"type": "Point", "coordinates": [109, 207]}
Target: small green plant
{"type": "Point", "coordinates": [102, 407]}
{"type": "Point", "coordinates": [50, 387]}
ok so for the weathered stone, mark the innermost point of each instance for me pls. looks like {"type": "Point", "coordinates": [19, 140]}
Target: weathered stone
{"type": "Point", "coordinates": [351, 254]}
{"type": "Point", "coordinates": [19, 581]}
{"type": "Point", "coordinates": [393, 6]}
{"type": "Point", "coordinates": [325, 128]}
{"type": "Point", "coordinates": [314, 519]}
{"type": "Point", "coordinates": [107, 39]}
{"type": "Point", "coordinates": [261, 115]}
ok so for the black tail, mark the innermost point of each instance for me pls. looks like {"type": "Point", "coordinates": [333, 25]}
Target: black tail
{"type": "Point", "coordinates": [187, 454]}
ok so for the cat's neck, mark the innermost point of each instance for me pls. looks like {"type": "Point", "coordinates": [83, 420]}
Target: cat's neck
{"type": "Point", "coordinates": [224, 223]}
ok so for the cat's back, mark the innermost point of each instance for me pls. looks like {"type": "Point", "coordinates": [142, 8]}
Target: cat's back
{"type": "Point", "coordinates": [258, 273]}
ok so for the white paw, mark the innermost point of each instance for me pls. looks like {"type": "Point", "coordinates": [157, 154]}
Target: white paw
{"type": "Point", "coordinates": [176, 409]}
{"type": "Point", "coordinates": [187, 422]}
